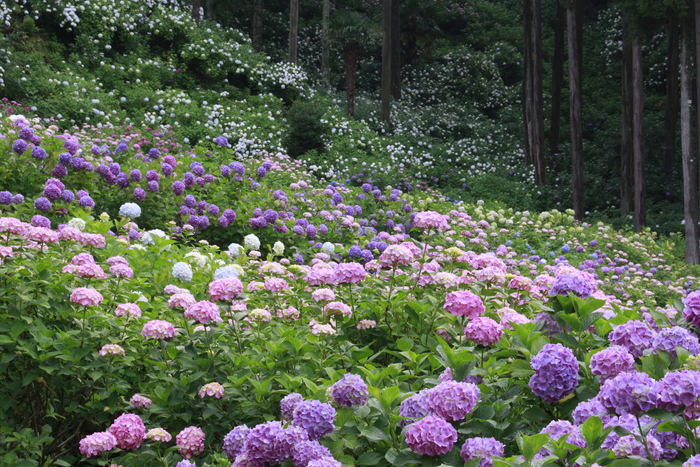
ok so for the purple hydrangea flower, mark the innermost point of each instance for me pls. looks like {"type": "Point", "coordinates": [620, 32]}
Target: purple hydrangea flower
{"type": "Point", "coordinates": [680, 389]}
{"type": "Point", "coordinates": [39, 153]}
{"type": "Point", "coordinates": [41, 221]}
{"type": "Point", "coordinates": [153, 186]}
{"type": "Point", "coordinates": [350, 390]}
{"type": "Point", "coordinates": [415, 406]}
{"type": "Point", "coordinates": [556, 372]}
{"type": "Point", "coordinates": [5, 197]}
{"type": "Point", "coordinates": [270, 215]}
{"type": "Point", "coordinates": [260, 441]}
{"type": "Point", "coordinates": [431, 436]}
{"type": "Point", "coordinates": [691, 312]}
{"type": "Point", "coordinates": [287, 440]}
{"type": "Point", "coordinates": [315, 417]}
{"type": "Point", "coordinates": [452, 400]}
{"type": "Point", "coordinates": [572, 282]}
{"type": "Point", "coordinates": [307, 451]}
{"type": "Point", "coordinates": [19, 146]}
{"type": "Point", "coordinates": [234, 441]}
{"type": "Point", "coordinates": [482, 448]}
{"type": "Point", "coordinates": [483, 331]}
{"type": "Point", "coordinates": [668, 339]}
{"type": "Point", "coordinates": [635, 336]}
{"type": "Point", "coordinates": [288, 405]}
{"type": "Point", "coordinates": [42, 204]}
{"type": "Point", "coordinates": [53, 191]}
{"type": "Point", "coordinates": [65, 158]}
{"type": "Point", "coordinates": [611, 361]}
{"type": "Point", "coordinates": [139, 194]}
{"type": "Point", "coordinates": [585, 410]}
{"type": "Point", "coordinates": [629, 393]}
{"type": "Point", "coordinates": [178, 188]}
{"type": "Point", "coordinates": [86, 202]}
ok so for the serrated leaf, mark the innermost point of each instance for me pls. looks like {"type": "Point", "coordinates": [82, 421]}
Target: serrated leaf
{"type": "Point", "coordinates": [369, 458]}
{"type": "Point", "coordinates": [373, 433]}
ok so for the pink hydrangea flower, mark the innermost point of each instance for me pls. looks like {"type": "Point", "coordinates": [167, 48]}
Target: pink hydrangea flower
{"type": "Point", "coordinates": [464, 303]}
{"type": "Point", "coordinates": [431, 436]}
{"type": "Point", "coordinates": [510, 316]}
{"type": "Point", "coordinates": [139, 401]}
{"type": "Point", "coordinates": [212, 390]}
{"type": "Point", "coordinates": [397, 254]}
{"type": "Point", "coordinates": [323, 295]}
{"type": "Point", "coordinates": [128, 309]}
{"type": "Point", "coordinates": [121, 270]}
{"type": "Point", "coordinates": [192, 441]}
{"type": "Point", "coordinates": [337, 308]}
{"type": "Point", "coordinates": [86, 296]}
{"type": "Point", "coordinates": [431, 220]}
{"type": "Point", "coordinates": [117, 260]}
{"type": "Point", "coordinates": [320, 274]}
{"type": "Point", "coordinates": [96, 443]}
{"type": "Point", "coordinates": [181, 300]}
{"type": "Point", "coordinates": [483, 330]}
{"type": "Point", "coordinates": [366, 324]}
{"type": "Point", "coordinates": [90, 270]}
{"type": "Point", "coordinates": [350, 273]}
{"type": "Point", "coordinates": [82, 258]}
{"type": "Point", "coordinates": [112, 349]}
{"type": "Point", "coordinates": [276, 284]}
{"type": "Point", "coordinates": [204, 312]}
{"type": "Point", "coordinates": [42, 235]}
{"type": "Point", "coordinates": [158, 329]}
{"type": "Point", "coordinates": [95, 240]}
{"type": "Point", "coordinates": [225, 289]}
{"type": "Point", "coordinates": [129, 431]}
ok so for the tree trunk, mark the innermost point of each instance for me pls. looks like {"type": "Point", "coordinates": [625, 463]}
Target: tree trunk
{"type": "Point", "coordinates": [210, 10]}
{"type": "Point", "coordinates": [690, 186]}
{"type": "Point", "coordinates": [350, 58]}
{"type": "Point", "coordinates": [575, 111]}
{"type": "Point", "coordinates": [537, 98]}
{"type": "Point", "coordinates": [557, 82]}
{"type": "Point", "coordinates": [257, 26]}
{"type": "Point", "coordinates": [386, 62]}
{"type": "Point", "coordinates": [640, 209]}
{"type": "Point", "coordinates": [396, 49]}
{"type": "Point", "coordinates": [326, 46]}
{"type": "Point", "coordinates": [672, 98]}
{"type": "Point", "coordinates": [626, 196]}
{"type": "Point", "coordinates": [196, 9]}
{"type": "Point", "coordinates": [527, 80]}
{"type": "Point", "coordinates": [293, 29]}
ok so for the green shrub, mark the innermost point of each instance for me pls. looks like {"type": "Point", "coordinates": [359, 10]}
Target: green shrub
{"type": "Point", "coordinates": [307, 130]}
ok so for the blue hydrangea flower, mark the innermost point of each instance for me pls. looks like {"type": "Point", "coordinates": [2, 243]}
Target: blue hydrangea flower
{"type": "Point", "coordinates": [182, 271]}
{"type": "Point", "coordinates": [130, 210]}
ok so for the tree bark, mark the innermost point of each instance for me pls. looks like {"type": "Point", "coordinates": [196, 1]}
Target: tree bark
{"type": "Point", "coordinates": [626, 185]}
{"type": "Point", "coordinates": [690, 185]}
{"type": "Point", "coordinates": [396, 49]}
{"type": "Point", "coordinates": [350, 58]}
{"type": "Point", "coordinates": [527, 80]}
{"type": "Point", "coordinates": [557, 82]}
{"type": "Point", "coordinates": [672, 97]}
{"type": "Point", "coordinates": [640, 209]}
{"type": "Point", "coordinates": [196, 9]}
{"type": "Point", "coordinates": [537, 96]}
{"type": "Point", "coordinates": [326, 45]}
{"type": "Point", "coordinates": [293, 29]}
{"type": "Point", "coordinates": [575, 111]}
{"type": "Point", "coordinates": [257, 26]}
{"type": "Point", "coordinates": [386, 62]}
{"type": "Point", "coordinates": [210, 10]}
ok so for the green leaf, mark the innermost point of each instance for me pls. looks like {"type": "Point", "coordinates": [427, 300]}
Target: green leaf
{"type": "Point", "coordinates": [567, 339]}
{"type": "Point", "coordinates": [404, 344]}
{"type": "Point", "coordinates": [405, 457]}
{"type": "Point", "coordinates": [671, 426]}
{"type": "Point", "coordinates": [531, 445]}
{"type": "Point", "coordinates": [626, 463]}
{"type": "Point", "coordinates": [369, 458]}
{"type": "Point", "coordinates": [656, 365]}
{"type": "Point", "coordinates": [18, 328]}
{"type": "Point", "coordinates": [536, 414]}
{"type": "Point", "coordinates": [388, 395]}
{"type": "Point", "coordinates": [591, 430]}
{"type": "Point", "coordinates": [373, 433]}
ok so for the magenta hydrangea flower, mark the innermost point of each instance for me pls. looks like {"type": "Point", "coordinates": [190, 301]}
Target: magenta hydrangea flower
{"type": "Point", "coordinates": [482, 448]}
{"type": "Point", "coordinates": [464, 303]}
{"type": "Point", "coordinates": [315, 417]}
{"type": "Point", "coordinates": [275, 284]}
{"type": "Point", "coordinates": [212, 390]}
{"type": "Point", "coordinates": [129, 431]}
{"type": "Point", "coordinates": [337, 308]}
{"type": "Point", "coordinates": [431, 220]}
{"type": "Point", "coordinates": [556, 372]}
{"type": "Point", "coordinates": [431, 436]}
{"type": "Point", "coordinates": [509, 317]}
{"type": "Point", "coordinates": [483, 331]}
{"type": "Point", "coordinates": [611, 361]}
{"type": "Point", "coordinates": [86, 296]}
{"type": "Point", "coordinates": [94, 444]}
{"type": "Point", "coordinates": [349, 390]}
{"type": "Point", "coordinates": [234, 441]}
{"type": "Point", "coordinates": [204, 312]}
{"type": "Point", "coordinates": [288, 405]}
{"type": "Point", "coordinates": [691, 310]}
{"type": "Point", "coordinates": [397, 254]}
{"type": "Point", "coordinates": [139, 401]}
{"type": "Point", "coordinates": [635, 336]}
{"type": "Point", "coordinates": [192, 441]}
{"type": "Point", "coordinates": [350, 273]}
{"type": "Point", "coordinates": [629, 393]}
{"type": "Point", "coordinates": [452, 400]}
{"type": "Point", "coordinates": [158, 329]}
{"type": "Point", "coordinates": [225, 289]}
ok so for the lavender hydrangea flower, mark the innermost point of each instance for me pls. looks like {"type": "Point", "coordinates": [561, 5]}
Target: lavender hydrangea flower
{"type": "Point", "coordinates": [431, 436]}
{"type": "Point", "coordinates": [481, 448]}
{"type": "Point", "coordinates": [286, 440]}
{"type": "Point", "coordinates": [259, 444]}
{"type": "Point", "coordinates": [635, 336]}
{"type": "Point", "coordinates": [629, 393]}
{"type": "Point", "coordinates": [483, 331]}
{"type": "Point", "coordinates": [350, 390]}
{"type": "Point", "coordinates": [414, 407]}
{"type": "Point", "coordinates": [42, 204]}
{"type": "Point", "coordinates": [590, 408]}
{"type": "Point", "coordinates": [691, 311]}
{"type": "Point", "coordinates": [679, 389]}
{"type": "Point", "coordinates": [452, 400]}
{"type": "Point", "coordinates": [307, 451]}
{"type": "Point", "coordinates": [611, 361]}
{"type": "Point", "coordinates": [315, 417]}
{"type": "Point", "coordinates": [556, 372]}
{"type": "Point", "coordinates": [234, 441]}
{"type": "Point", "coordinates": [572, 282]}
{"type": "Point", "coordinates": [667, 339]}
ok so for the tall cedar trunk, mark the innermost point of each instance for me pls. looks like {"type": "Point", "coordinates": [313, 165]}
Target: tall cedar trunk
{"type": "Point", "coordinates": [575, 111]}
{"type": "Point", "coordinates": [350, 58]}
{"type": "Point", "coordinates": [626, 196]}
{"type": "Point", "coordinates": [326, 45]}
{"type": "Point", "coordinates": [640, 209]}
{"type": "Point", "coordinates": [196, 9]}
{"type": "Point", "coordinates": [557, 82]}
{"type": "Point", "coordinates": [293, 29]}
{"type": "Point", "coordinates": [672, 98]}
{"type": "Point", "coordinates": [257, 26]}
{"type": "Point", "coordinates": [696, 6]}
{"type": "Point", "coordinates": [210, 10]}
{"type": "Point", "coordinates": [386, 62]}
{"type": "Point", "coordinates": [527, 79]}
{"type": "Point", "coordinates": [690, 185]}
{"type": "Point", "coordinates": [537, 99]}
{"type": "Point", "coordinates": [396, 49]}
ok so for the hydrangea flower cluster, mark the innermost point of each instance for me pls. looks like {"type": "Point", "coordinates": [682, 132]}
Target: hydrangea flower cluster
{"type": "Point", "coordinates": [94, 444]}
{"type": "Point", "coordinates": [204, 312]}
{"type": "Point", "coordinates": [431, 436]}
{"type": "Point", "coordinates": [315, 417]}
{"type": "Point", "coordinates": [452, 400]}
{"type": "Point", "coordinates": [483, 331]}
{"type": "Point", "coordinates": [225, 289]}
{"type": "Point", "coordinates": [182, 271]}
{"type": "Point", "coordinates": [212, 390]}
{"type": "Point", "coordinates": [611, 361]}
{"type": "Point", "coordinates": [192, 441]}
{"type": "Point", "coordinates": [680, 389]}
{"type": "Point", "coordinates": [572, 282]}
{"type": "Point", "coordinates": [464, 303]}
{"type": "Point", "coordinates": [691, 310]}
{"type": "Point", "coordinates": [484, 449]}
{"type": "Point", "coordinates": [349, 390]}
{"type": "Point", "coordinates": [235, 440]}
{"type": "Point", "coordinates": [158, 329]}
{"type": "Point", "coordinates": [635, 336]}
{"type": "Point", "coordinates": [130, 210]}
{"type": "Point", "coordinates": [129, 431]}
{"type": "Point", "coordinates": [629, 393]}
{"type": "Point", "coordinates": [86, 296]}
{"type": "Point", "coordinates": [556, 372]}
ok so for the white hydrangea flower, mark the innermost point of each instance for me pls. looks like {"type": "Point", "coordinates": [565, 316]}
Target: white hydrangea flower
{"type": "Point", "coordinates": [235, 249]}
{"type": "Point", "coordinates": [251, 242]}
{"type": "Point", "coordinates": [278, 248]}
{"type": "Point", "coordinates": [77, 223]}
{"type": "Point", "coordinates": [328, 248]}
